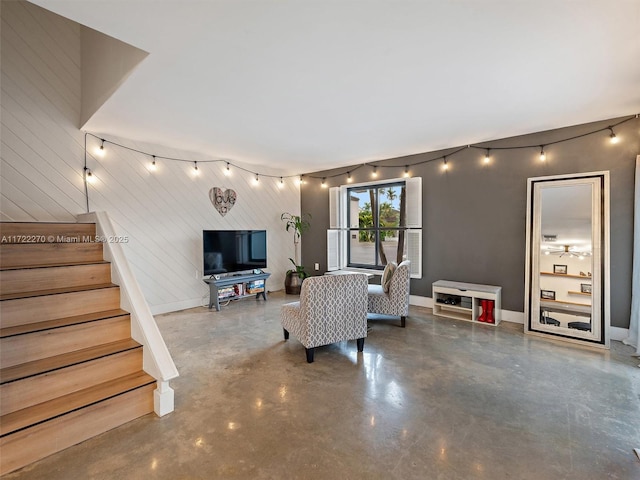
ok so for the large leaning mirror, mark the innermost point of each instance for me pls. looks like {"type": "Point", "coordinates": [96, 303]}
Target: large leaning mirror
{"type": "Point", "coordinates": [567, 270]}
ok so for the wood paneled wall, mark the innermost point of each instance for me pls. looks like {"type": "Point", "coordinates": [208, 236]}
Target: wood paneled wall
{"type": "Point", "coordinates": [162, 213]}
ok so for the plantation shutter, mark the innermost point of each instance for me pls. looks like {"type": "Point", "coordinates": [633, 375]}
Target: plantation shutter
{"type": "Point", "coordinates": [414, 202]}
{"type": "Point", "coordinates": [414, 252]}
{"type": "Point", "coordinates": [333, 250]}
{"type": "Point", "coordinates": [334, 207]}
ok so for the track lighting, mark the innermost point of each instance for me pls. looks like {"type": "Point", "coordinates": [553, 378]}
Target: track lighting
{"type": "Point", "coordinates": [256, 179]}
{"type": "Point", "coordinates": [406, 171]}
{"type": "Point", "coordinates": [349, 179]}
{"type": "Point", "coordinates": [227, 171]}
{"type": "Point", "coordinates": [543, 156]}
{"type": "Point", "coordinates": [445, 167]}
{"type": "Point", "coordinates": [374, 174]}
{"type": "Point", "coordinates": [324, 182]}
{"type": "Point", "coordinates": [613, 137]}
{"type": "Point", "coordinates": [281, 183]}
{"type": "Point", "coordinates": [301, 180]}
{"type": "Point", "coordinates": [195, 168]}
{"type": "Point", "coordinates": [153, 167]}
{"type": "Point", "coordinates": [487, 157]}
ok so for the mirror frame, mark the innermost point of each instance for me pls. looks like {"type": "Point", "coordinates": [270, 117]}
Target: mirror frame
{"type": "Point", "coordinates": [533, 221]}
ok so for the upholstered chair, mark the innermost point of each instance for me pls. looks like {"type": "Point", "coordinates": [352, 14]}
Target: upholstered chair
{"type": "Point", "coordinates": [395, 301]}
{"type": "Point", "coordinates": [332, 308]}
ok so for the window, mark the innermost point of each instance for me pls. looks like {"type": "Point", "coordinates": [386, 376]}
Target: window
{"type": "Point", "coordinates": [374, 223]}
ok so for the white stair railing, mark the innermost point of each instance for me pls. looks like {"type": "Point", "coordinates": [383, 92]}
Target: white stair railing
{"type": "Point", "coordinates": [157, 360]}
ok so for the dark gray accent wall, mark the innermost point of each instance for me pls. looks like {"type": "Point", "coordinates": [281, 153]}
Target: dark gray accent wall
{"type": "Point", "coordinates": [474, 214]}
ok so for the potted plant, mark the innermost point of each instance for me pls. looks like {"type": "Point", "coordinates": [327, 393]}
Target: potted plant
{"type": "Point", "coordinates": [298, 224]}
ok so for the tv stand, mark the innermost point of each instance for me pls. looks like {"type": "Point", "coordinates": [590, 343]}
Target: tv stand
{"type": "Point", "coordinates": [235, 287]}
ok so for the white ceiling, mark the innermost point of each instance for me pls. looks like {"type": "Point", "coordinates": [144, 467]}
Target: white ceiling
{"type": "Point", "coordinates": [304, 85]}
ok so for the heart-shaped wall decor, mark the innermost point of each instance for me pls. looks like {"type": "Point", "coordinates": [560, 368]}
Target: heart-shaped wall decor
{"type": "Point", "coordinates": [223, 199]}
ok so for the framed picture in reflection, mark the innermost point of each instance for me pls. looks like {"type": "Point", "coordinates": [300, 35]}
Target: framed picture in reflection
{"type": "Point", "coordinates": [560, 269]}
{"type": "Point", "coordinates": [547, 294]}
{"type": "Point", "coordinates": [585, 288]}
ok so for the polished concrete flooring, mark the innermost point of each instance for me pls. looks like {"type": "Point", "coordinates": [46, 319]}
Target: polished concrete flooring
{"type": "Point", "coordinates": [440, 399]}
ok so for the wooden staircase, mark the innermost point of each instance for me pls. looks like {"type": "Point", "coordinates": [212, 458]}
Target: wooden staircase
{"type": "Point", "coordinates": [69, 369]}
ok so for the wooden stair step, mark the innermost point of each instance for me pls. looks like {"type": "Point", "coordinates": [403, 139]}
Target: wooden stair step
{"type": "Point", "coordinates": [60, 322]}
{"type": "Point", "coordinates": [25, 254]}
{"type": "Point", "coordinates": [19, 311]}
{"type": "Point", "coordinates": [19, 280]}
{"type": "Point", "coordinates": [36, 389]}
{"type": "Point", "coordinates": [37, 367]}
{"type": "Point", "coordinates": [52, 265]}
{"type": "Point", "coordinates": [34, 346]}
{"type": "Point", "coordinates": [30, 444]}
{"type": "Point", "coordinates": [55, 291]}
{"type": "Point", "coordinates": [30, 416]}
{"type": "Point", "coordinates": [43, 232]}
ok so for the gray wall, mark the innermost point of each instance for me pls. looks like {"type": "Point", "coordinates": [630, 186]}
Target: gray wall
{"type": "Point", "coordinates": [474, 215]}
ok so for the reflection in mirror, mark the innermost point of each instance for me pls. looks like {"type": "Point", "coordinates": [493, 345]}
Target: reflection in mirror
{"type": "Point", "coordinates": [565, 256]}
{"type": "Point", "coordinates": [565, 268]}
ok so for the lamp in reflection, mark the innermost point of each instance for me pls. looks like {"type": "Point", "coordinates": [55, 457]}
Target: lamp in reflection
{"type": "Point", "coordinates": [394, 395]}
{"type": "Point", "coordinates": [443, 454]}
{"type": "Point", "coordinates": [570, 251]}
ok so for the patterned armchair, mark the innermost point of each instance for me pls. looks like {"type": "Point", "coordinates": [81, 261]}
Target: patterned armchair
{"type": "Point", "coordinates": [332, 308]}
{"type": "Point", "coordinates": [396, 301]}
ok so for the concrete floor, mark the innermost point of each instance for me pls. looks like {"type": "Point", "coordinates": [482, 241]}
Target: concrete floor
{"type": "Point", "coordinates": [440, 399]}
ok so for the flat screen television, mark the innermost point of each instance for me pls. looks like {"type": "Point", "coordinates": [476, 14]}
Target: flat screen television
{"type": "Point", "coordinates": [232, 251]}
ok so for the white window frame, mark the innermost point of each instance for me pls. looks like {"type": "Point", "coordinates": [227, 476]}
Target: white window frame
{"type": "Point", "coordinates": [337, 235]}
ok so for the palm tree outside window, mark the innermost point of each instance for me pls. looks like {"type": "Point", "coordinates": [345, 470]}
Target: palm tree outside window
{"type": "Point", "coordinates": [376, 225]}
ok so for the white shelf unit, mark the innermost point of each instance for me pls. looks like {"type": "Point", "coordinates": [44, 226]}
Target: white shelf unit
{"type": "Point", "coordinates": [443, 289]}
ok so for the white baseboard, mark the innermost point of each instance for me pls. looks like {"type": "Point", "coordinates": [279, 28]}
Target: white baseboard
{"type": "Point", "coordinates": [619, 334]}
{"type": "Point", "coordinates": [616, 333]}
{"type": "Point", "coordinates": [175, 306]}
{"type": "Point", "coordinates": [418, 301]}
{"type": "Point", "coordinates": [513, 317]}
